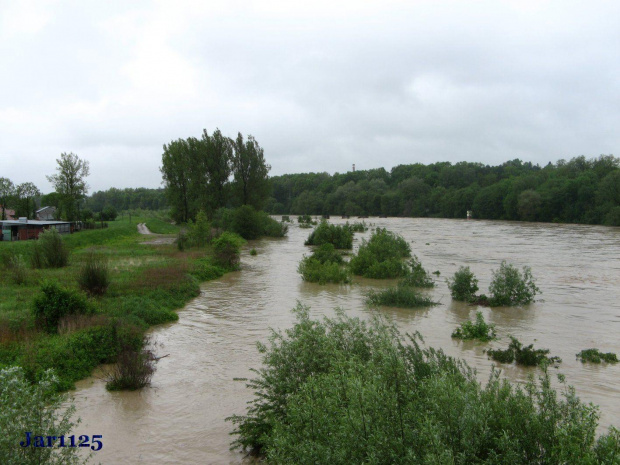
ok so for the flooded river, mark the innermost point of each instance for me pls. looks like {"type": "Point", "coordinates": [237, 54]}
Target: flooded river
{"type": "Point", "coordinates": [180, 419]}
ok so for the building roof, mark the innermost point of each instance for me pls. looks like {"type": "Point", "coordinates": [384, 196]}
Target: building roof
{"type": "Point", "coordinates": [45, 208]}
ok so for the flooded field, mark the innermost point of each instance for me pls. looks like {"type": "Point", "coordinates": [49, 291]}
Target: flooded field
{"type": "Point", "coordinates": [180, 419]}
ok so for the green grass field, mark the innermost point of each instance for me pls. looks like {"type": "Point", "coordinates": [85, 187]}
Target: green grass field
{"type": "Point", "coordinates": [147, 284]}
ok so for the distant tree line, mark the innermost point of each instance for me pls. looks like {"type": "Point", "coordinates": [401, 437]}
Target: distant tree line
{"type": "Point", "coordinates": [127, 199]}
{"type": "Point", "coordinates": [212, 172]}
{"type": "Point", "coordinates": [577, 191]}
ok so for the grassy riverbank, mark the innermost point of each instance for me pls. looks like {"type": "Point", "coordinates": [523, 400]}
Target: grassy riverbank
{"type": "Point", "coordinates": [147, 284]}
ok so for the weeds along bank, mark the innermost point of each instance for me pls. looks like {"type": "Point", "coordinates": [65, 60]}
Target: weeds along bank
{"type": "Point", "coordinates": [110, 288]}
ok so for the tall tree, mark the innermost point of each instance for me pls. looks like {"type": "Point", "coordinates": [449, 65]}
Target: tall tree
{"type": "Point", "coordinates": [217, 162]}
{"type": "Point", "coordinates": [25, 193]}
{"type": "Point", "coordinates": [176, 169]}
{"type": "Point", "coordinates": [251, 181]}
{"type": "Point", "coordinates": [7, 190]}
{"type": "Point", "coordinates": [70, 182]}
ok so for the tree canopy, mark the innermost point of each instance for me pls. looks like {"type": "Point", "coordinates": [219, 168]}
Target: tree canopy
{"type": "Point", "coordinates": [70, 182]}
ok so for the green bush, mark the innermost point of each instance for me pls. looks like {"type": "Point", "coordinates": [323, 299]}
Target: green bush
{"type": "Point", "coordinates": [133, 370]}
{"type": "Point", "coordinates": [94, 275]}
{"type": "Point", "coordinates": [325, 265]}
{"type": "Point", "coordinates": [381, 256]}
{"type": "Point", "coordinates": [511, 287]}
{"type": "Point", "coordinates": [226, 249]}
{"type": "Point", "coordinates": [199, 233]}
{"type": "Point", "coordinates": [253, 252]}
{"type": "Point", "coordinates": [248, 223]}
{"type": "Point", "coordinates": [416, 275]}
{"type": "Point", "coordinates": [357, 227]}
{"type": "Point", "coordinates": [343, 391]}
{"type": "Point", "coordinates": [36, 408]}
{"type": "Point", "coordinates": [400, 296]}
{"type": "Point", "coordinates": [464, 285]}
{"type": "Point", "coordinates": [204, 270]}
{"type": "Point", "coordinates": [16, 265]}
{"type": "Point", "coordinates": [54, 303]}
{"type": "Point", "coordinates": [527, 355]}
{"type": "Point", "coordinates": [341, 237]}
{"type": "Point", "coordinates": [596, 356]}
{"type": "Point", "coordinates": [49, 251]}
{"type": "Point", "coordinates": [480, 330]}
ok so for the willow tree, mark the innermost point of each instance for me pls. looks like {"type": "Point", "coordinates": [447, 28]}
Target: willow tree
{"type": "Point", "coordinates": [70, 182]}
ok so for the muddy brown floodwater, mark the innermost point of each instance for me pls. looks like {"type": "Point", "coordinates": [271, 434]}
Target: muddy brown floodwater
{"type": "Point", "coordinates": [180, 419]}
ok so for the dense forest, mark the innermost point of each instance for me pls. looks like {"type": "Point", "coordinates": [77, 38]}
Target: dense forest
{"type": "Point", "coordinates": [577, 191]}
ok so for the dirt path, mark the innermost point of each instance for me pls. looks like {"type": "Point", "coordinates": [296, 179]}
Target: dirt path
{"type": "Point", "coordinates": [159, 238]}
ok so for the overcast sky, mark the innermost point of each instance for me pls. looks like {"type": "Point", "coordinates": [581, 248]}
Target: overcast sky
{"type": "Point", "coordinates": [320, 84]}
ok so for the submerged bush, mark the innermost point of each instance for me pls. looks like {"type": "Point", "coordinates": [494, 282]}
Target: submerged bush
{"type": "Point", "coordinates": [325, 265]}
{"type": "Point", "coordinates": [400, 296]}
{"type": "Point", "coordinates": [54, 303]}
{"type": "Point", "coordinates": [480, 330]}
{"type": "Point", "coordinates": [511, 287]}
{"type": "Point", "coordinates": [94, 276]}
{"type": "Point", "coordinates": [39, 409]}
{"type": "Point", "coordinates": [416, 275]}
{"type": "Point", "coordinates": [344, 391]}
{"type": "Point", "coordinates": [357, 227]}
{"type": "Point", "coordinates": [248, 222]}
{"type": "Point", "coordinates": [527, 355]}
{"type": "Point", "coordinates": [133, 370]}
{"type": "Point", "coordinates": [226, 250]}
{"type": "Point", "coordinates": [204, 270]}
{"type": "Point", "coordinates": [49, 251]}
{"type": "Point", "coordinates": [341, 237]}
{"type": "Point", "coordinates": [464, 285]}
{"type": "Point", "coordinates": [381, 256]}
{"type": "Point", "coordinates": [596, 356]}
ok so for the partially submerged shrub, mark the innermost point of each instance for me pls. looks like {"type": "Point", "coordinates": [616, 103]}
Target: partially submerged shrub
{"type": "Point", "coordinates": [480, 330]}
{"type": "Point", "coordinates": [54, 303]}
{"type": "Point", "coordinates": [133, 370]}
{"type": "Point", "coordinates": [325, 265]}
{"type": "Point", "coordinates": [94, 276]}
{"type": "Point", "coordinates": [204, 270]}
{"type": "Point", "coordinates": [381, 256]}
{"type": "Point", "coordinates": [596, 356]}
{"type": "Point", "coordinates": [343, 391]}
{"type": "Point", "coordinates": [305, 219]}
{"type": "Point", "coordinates": [400, 296]}
{"type": "Point", "coordinates": [248, 222]}
{"type": "Point", "coordinates": [253, 252]}
{"type": "Point", "coordinates": [357, 227]}
{"type": "Point", "coordinates": [226, 250]}
{"type": "Point", "coordinates": [37, 408]}
{"type": "Point", "coordinates": [464, 285]}
{"type": "Point", "coordinates": [49, 251]}
{"type": "Point", "coordinates": [416, 275]}
{"type": "Point", "coordinates": [527, 355]}
{"type": "Point", "coordinates": [511, 287]}
{"type": "Point", "coordinates": [341, 237]}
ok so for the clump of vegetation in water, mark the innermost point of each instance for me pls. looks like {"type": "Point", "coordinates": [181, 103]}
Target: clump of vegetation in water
{"type": "Point", "coordinates": [325, 233]}
{"type": "Point", "coordinates": [480, 330]}
{"type": "Point", "coordinates": [464, 285]}
{"type": "Point", "coordinates": [94, 275]}
{"type": "Point", "coordinates": [382, 256]}
{"type": "Point", "coordinates": [527, 355]}
{"type": "Point", "coordinates": [400, 296]}
{"type": "Point", "coordinates": [226, 250]}
{"type": "Point", "coordinates": [248, 222]}
{"type": "Point", "coordinates": [253, 252]}
{"type": "Point", "coordinates": [341, 391]}
{"type": "Point", "coordinates": [325, 265]}
{"type": "Point", "coordinates": [306, 220]}
{"type": "Point", "coordinates": [357, 226]}
{"type": "Point", "coordinates": [416, 275]}
{"type": "Point", "coordinates": [49, 251]}
{"type": "Point", "coordinates": [511, 287]}
{"type": "Point", "coordinates": [596, 356]}
{"type": "Point", "coordinates": [134, 368]}
{"type": "Point", "coordinates": [38, 408]}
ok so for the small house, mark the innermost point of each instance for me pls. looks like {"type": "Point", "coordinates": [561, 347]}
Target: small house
{"type": "Point", "coordinates": [24, 229]}
{"type": "Point", "coordinates": [46, 213]}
